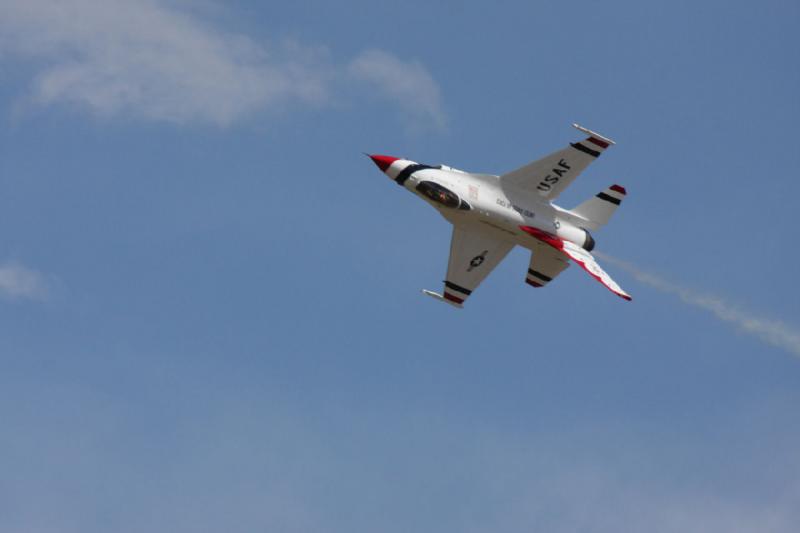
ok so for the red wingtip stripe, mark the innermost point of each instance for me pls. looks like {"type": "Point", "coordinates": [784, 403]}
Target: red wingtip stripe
{"type": "Point", "coordinates": [598, 142]}
{"type": "Point", "coordinates": [618, 188]}
{"type": "Point", "coordinates": [452, 298]}
{"type": "Point", "coordinates": [533, 283]}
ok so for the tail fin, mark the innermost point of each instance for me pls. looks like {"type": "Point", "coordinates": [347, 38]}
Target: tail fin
{"type": "Point", "coordinates": [598, 209]}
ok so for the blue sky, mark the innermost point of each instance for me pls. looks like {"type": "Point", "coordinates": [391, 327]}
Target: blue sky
{"type": "Point", "coordinates": [209, 297]}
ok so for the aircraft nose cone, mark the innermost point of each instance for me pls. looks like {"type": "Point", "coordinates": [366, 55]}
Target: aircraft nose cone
{"type": "Point", "coordinates": [383, 161]}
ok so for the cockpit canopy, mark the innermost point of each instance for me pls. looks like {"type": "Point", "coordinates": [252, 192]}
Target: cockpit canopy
{"type": "Point", "coordinates": [442, 195]}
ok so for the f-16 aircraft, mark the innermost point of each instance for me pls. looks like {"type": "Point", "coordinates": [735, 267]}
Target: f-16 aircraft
{"type": "Point", "coordinates": [492, 214]}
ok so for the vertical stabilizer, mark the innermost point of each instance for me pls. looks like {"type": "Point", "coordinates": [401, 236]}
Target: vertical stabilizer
{"type": "Point", "coordinates": [598, 209]}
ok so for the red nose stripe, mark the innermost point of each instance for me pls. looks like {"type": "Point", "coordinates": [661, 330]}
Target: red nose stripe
{"type": "Point", "coordinates": [383, 161]}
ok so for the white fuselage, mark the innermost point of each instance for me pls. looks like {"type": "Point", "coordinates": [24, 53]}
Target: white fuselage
{"type": "Point", "coordinates": [488, 206]}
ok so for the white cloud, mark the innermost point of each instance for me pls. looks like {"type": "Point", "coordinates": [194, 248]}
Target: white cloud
{"type": "Point", "coordinates": [17, 281]}
{"type": "Point", "coordinates": [771, 331]}
{"type": "Point", "coordinates": [155, 60]}
{"type": "Point", "coordinates": [147, 58]}
{"type": "Point", "coordinates": [409, 85]}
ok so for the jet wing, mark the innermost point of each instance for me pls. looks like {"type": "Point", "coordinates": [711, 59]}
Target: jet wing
{"type": "Point", "coordinates": [546, 263]}
{"type": "Point", "coordinates": [549, 176]}
{"type": "Point", "coordinates": [473, 255]}
{"type": "Point", "coordinates": [584, 259]}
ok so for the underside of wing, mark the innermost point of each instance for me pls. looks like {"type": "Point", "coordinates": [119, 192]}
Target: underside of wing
{"type": "Point", "coordinates": [473, 255]}
{"type": "Point", "coordinates": [549, 176]}
{"type": "Point", "coordinates": [583, 258]}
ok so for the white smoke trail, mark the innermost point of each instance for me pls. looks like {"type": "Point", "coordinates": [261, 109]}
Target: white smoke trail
{"type": "Point", "coordinates": [772, 332]}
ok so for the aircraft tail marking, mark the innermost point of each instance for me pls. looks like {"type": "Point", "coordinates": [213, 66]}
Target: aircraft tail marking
{"type": "Point", "coordinates": [598, 210]}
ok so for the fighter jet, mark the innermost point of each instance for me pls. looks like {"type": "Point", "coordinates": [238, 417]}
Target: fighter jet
{"type": "Point", "coordinates": [492, 214]}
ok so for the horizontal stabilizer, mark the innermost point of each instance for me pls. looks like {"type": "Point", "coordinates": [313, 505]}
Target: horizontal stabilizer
{"type": "Point", "coordinates": [583, 258]}
{"type": "Point", "coordinates": [598, 209]}
{"type": "Point", "coordinates": [545, 264]}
